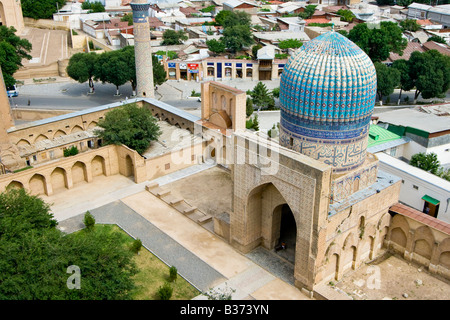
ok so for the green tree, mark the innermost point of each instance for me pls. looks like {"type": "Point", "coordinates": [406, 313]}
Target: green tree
{"type": "Point", "coordinates": [309, 11]}
{"type": "Point", "coordinates": [409, 25]}
{"type": "Point", "coordinates": [255, 49]}
{"type": "Point", "coordinates": [12, 50]}
{"type": "Point", "coordinates": [430, 73]}
{"type": "Point", "coordinates": [136, 246]}
{"type": "Point", "coordinates": [261, 96]}
{"type": "Point", "coordinates": [165, 291]}
{"type": "Point", "coordinates": [377, 43]}
{"type": "Point", "coordinates": [385, 2]}
{"type": "Point", "coordinates": [249, 107]}
{"type": "Point", "coordinates": [216, 46]}
{"type": "Point", "coordinates": [426, 161]}
{"type": "Point", "coordinates": [35, 256]}
{"type": "Point", "coordinates": [276, 92]}
{"type": "Point", "coordinates": [130, 125]}
{"type": "Point", "coordinates": [222, 16]}
{"type": "Point", "coordinates": [405, 80]}
{"type": "Point", "coordinates": [173, 273]}
{"type": "Point", "coordinates": [437, 39]}
{"type": "Point", "coordinates": [237, 18]}
{"type": "Point", "coordinates": [388, 79]}
{"type": "Point", "coordinates": [172, 37]}
{"type": "Point", "coordinates": [112, 68]}
{"type": "Point", "coordinates": [346, 15]}
{"type": "Point", "coordinates": [93, 6]}
{"type": "Point", "coordinates": [237, 37]}
{"type": "Point", "coordinates": [159, 73]}
{"type": "Point", "coordinates": [128, 18]}
{"type": "Point", "coordinates": [42, 9]}
{"type": "Point", "coordinates": [127, 55]}
{"type": "Point", "coordinates": [81, 68]}
{"type": "Point", "coordinates": [290, 43]}
{"type": "Point", "coordinates": [89, 221]}
{"type": "Point", "coordinates": [237, 31]}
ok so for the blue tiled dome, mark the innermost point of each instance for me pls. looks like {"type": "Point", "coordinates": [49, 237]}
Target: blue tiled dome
{"type": "Point", "coordinates": [327, 94]}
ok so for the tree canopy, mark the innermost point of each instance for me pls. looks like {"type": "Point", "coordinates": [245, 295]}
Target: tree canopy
{"type": "Point", "coordinates": [35, 256]}
{"type": "Point", "coordinates": [346, 15]}
{"type": "Point", "coordinates": [261, 96]}
{"type": "Point", "coordinates": [425, 161]}
{"type": "Point", "coordinates": [172, 37]}
{"type": "Point", "coordinates": [309, 11]}
{"type": "Point", "coordinates": [116, 67]}
{"type": "Point", "coordinates": [12, 50]}
{"type": "Point", "coordinates": [81, 67]}
{"type": "Point", "coordinates": [437, 39]}
{"type": "Point", "coordinates": [237, 31]}
{"type": "Point", "coordinates": [290, 43]}
{"type": "Point", "coordinates": [93, 6]}
{"type": "Point", "coordinates": [388, 79]}
{"type": "Point", "coordinates": [130, 125]}
{"type": "Point", "coordinates": [430, 73]}
{"type": "Point", "coordinates": [409, 25]}
{"type": "Point", "coordinates": [42, 9]}
{"type": "Point", "coordinates": [406, 84]}
{"type": "Point", "coordinates": [216, 46]}
{"type": "Point", "coordinates": [378, 42]}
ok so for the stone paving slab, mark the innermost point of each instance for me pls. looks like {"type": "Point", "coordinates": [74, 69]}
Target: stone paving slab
{"type": "Point", "coordinates": [269, 260]}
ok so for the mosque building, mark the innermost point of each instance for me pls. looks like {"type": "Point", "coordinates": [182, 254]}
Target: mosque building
{"type": "Point", "coordinates": [317, 188]}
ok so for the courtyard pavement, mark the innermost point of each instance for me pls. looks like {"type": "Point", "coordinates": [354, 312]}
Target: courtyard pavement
{"type": "Point", "coordinates": [202, 258]}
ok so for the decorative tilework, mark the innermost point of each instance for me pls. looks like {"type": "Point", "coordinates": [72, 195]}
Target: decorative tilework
{"type": "Point", "coordinates": [327, 94]}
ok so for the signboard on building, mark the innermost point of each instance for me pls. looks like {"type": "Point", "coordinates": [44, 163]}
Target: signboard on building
{"type": "Point", "coordinates": [183, 66]}
{"type": "Point", "coordinates": [193, 67]}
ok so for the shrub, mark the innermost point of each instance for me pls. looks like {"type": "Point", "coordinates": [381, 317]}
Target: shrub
{"type": "Point", "coordinates": [249, 107]}
{"type": "Point", "coordinates": [165, 291]}
{"type": "Point", "coordinates": [136, 246]}
{"type": "Point", "coordinates": [89, 220]}
{"type": "Point", "coordinates": [173, 272]}
{"type": "Point", "coordinates": [71, 151]}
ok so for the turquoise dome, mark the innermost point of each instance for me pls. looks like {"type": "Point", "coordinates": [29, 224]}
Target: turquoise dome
{"type": "Point", "coordinates": [327, 95]}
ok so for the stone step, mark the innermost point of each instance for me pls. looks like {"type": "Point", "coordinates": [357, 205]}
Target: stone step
{"type": "Point", "coordinates": [162, 193]}
{"type": "Point", "coordinates": [151, 186]}
{"type": "Point", "coordinates": [204, 219]}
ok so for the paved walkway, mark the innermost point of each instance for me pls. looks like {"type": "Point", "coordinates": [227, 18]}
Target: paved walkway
{"type": "Point", "coordinates": [200, 256]}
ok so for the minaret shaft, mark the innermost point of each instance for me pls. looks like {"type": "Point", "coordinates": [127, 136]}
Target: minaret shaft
{"type": "Point", "coordinates": [142, 49]}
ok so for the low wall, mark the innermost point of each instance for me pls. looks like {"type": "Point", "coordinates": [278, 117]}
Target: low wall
{"type": "Point", "coordinates": [46, 24]}
{"type": "Point", "coordinates": [54, 69]}
{"type": "Point", "coordinates": [34, 114]}
{"type": "Point", "coordinates": [420, 238]}
{"type": "Point", "coordinates": [53, 177]}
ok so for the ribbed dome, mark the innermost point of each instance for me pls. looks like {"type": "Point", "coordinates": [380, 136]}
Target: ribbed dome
{"type": "Point", "coordinates": [327, 94]}
{"type": "Point", "coordinates": [329, 79]}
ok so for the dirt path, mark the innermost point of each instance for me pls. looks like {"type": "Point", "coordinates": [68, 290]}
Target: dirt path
{"type": "Point", "coordinates": [392, 278]}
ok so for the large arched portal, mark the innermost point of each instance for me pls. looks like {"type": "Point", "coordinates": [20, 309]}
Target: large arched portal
{"type": "Point", "coordinates": [268, 209]}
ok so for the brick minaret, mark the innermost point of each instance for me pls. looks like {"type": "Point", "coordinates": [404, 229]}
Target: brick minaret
{"type": "Point", "coordinates": [142, 49]}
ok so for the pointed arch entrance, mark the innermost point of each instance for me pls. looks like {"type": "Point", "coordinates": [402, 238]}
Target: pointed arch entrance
{"type": "Point", "coordinates": [267, 208]}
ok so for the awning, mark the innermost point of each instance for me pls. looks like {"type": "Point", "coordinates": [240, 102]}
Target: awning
{"type": "Point", "coordinates": [430, 200]}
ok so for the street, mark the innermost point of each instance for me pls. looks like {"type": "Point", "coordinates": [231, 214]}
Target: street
{"type": "Point", "coordinates": [70, 95]}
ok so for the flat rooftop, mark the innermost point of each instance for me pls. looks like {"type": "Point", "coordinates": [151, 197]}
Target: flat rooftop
{"type": "Point", "coordinates": [415, 119]}
{"type": "Point", "coordinates": [171, 139]}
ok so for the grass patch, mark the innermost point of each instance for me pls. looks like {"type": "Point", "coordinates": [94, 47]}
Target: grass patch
{"type": "Point", "coordinates": [23, 169]}
{"type": "Point", "coordinates": [153, 273]}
